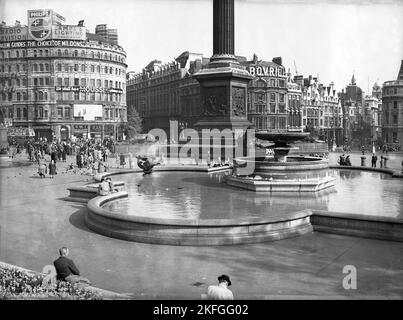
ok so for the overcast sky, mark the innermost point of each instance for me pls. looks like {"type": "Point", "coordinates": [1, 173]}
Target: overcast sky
{"type": "Point", "coordinates": [326, 38]}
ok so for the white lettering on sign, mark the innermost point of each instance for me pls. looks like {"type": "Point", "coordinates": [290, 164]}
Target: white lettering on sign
{"type": "Point", "coordinates": [36, 14]}
{"type": "Point", "coordinates": [265, 71]}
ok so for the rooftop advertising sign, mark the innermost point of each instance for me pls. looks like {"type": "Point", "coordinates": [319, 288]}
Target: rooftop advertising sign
{"type": "Point", "coordinates": [39, 24]}
{"type": "Point", "coordinates": [13, 34]}
{"type": "Point", "coordinates": [263, 71]}
{"type": "Point", "coordinates": [66, 32]}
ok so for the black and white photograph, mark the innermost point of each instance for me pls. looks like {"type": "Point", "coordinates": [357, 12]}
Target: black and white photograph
{"type": "Point", "coordinates": [200, 150]}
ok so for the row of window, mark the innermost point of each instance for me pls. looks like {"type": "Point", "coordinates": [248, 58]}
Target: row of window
{"type": "Point", "coordinates": [387, 91]}
{"type": "Point", "coordinates": [89, 96]}
{"type": "Point", "coordinates": [263, 108]}
{"type": "Point", "coordinates": [21, 113]}
{"type": "Point", "coordinates": [89, 68]}
{"type": "Point", "coordinates": [261, 96]}
{"type": "Point", "coordinates": [89, 82]}
{"type": "Point", "coordinates": [263, 123]}
{"type": "Point", "coordinates": [62, 53]}
{"type": "Point", "coordinates": [270, 82]}
{"type": "Point", "coordinates": [44, 96]}
{"type": "Point", "coordinates": [46, 81]}
{"type": "Point", "coordinates": [45, 67]}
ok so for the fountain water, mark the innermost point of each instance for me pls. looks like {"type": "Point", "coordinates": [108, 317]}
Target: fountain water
{"type": "Point", "coordinates": [282, 172]}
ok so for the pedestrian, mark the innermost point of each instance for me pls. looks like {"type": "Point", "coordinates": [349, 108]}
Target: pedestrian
{"type": "Point", "coordinates": [64, 152]}
{"type": "Point", "coordinates": [66, 269]}
{"type": "Point", "coordinates": [52, 169]}
{"type": "Point", "coordinates": [42, 170]}
{"type": "Point", "coordinates": [103, 188]}
{"type": "Point", "coordinates": [53, 155]}
{"type": "Point", "coordinates": [220, 291]}
{"type": "Point", "coordinates": [374, 159]}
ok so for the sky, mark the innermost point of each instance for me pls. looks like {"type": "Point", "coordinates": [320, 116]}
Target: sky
{"type": "Point", "coordinates": [329, 39]}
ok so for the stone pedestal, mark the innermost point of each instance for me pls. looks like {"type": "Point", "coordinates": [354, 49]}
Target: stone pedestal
{"type": "Point", "coordinates": [223, 82]}
{"type": "Point", "coordinates": [363, 161]}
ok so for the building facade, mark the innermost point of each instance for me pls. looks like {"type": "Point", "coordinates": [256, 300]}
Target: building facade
{"type": "Point", "coordinates": [267, 94]}
{"type": "Point", "coordinates": [167, 93]}
{"type": "Point", "coordinates": [61, 80]}
{"type": "Point", "coordinates": [392, 109]}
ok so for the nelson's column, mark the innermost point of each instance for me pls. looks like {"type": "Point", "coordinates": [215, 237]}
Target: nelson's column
{"type": "Point", "coordinates": [223, 82]}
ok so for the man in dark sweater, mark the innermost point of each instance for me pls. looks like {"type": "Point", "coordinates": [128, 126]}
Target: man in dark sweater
{"type": "Point", "coordinates": [67, 270]}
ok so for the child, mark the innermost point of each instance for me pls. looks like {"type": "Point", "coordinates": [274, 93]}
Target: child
{"type": "Point", "coordinates": [42, 169]}
{"type": "Point", "coordinates": [52, 169]}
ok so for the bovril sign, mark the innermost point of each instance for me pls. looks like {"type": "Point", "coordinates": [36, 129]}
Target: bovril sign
{"type": "Point", "coordinates": [263, 71]}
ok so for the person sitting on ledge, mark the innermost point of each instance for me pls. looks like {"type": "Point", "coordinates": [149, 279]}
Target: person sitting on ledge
{"type": "Point", "coordinates": [112, 188]}
{"type": "Point", "coordinates": [66, 269]}
{"type": "Point", "coordinates": [348, 161]}
{"type": "Point", "coordinates": [103, 188]}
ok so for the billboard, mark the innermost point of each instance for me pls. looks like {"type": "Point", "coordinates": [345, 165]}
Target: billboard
{"type": "Point", "coordinates": [13, 34]}
{"type": "Point", "coordinates": [39, 24]}
{"type": "Point", "coordinates": [67, 32]}
{"type": "Point", "coordinates": [88, 111]}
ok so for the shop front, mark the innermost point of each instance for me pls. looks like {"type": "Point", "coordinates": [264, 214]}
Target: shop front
{"type": "Point", "coordinates": [80, 131]}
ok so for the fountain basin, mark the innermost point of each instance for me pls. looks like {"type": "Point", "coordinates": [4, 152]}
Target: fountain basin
{"type": "Point", "coordinates": [193, 232]}
{"type": "Point", "coordinates": [297, 174]}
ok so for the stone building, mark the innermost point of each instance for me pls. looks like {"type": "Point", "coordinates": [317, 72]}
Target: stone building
{"type": "Point", "coordinates": [61, 80]}
{"type": "Point", "coordinates": [392, 109]}
{"type": "Point", "coordinates": [267, 94]}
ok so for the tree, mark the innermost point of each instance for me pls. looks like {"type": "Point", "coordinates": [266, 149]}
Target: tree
{"type": "Point", "coordinates": [134, 123]}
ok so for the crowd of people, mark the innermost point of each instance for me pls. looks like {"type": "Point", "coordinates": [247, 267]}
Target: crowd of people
{"type": "Point", "coordinates": [91, 155]}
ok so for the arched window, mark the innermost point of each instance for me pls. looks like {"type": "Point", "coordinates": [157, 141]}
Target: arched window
{"type": "Point", "coordinates": [18, 98]}
{"type": "Point", "coordinates": [92, 54]}
{"type": "Point", "coordinates": [59, 52]}
{"type": "Point", "coordinates": [18, 54]}
{"type": "Point", "coordinates": [25, 113]}
{"type": "Point", "coordinates": [45, 96]}
{"type": "Point", "coordinates": [66, 52]}
{"type": "Point", "coordinates": [18, 113]}
{"type": "Point", "coordinates": [106, 69]}
{"type": "Point", "coordinates": [40, 53]}
{"type": "Point", "coordinates": [41, 112]}
{"type": "Point", "coordinates": [98, 55]}
{"type": "Point", "coordinates": [83, 68]}
{"type": "Point", "coordinates": [34, 53]}
{"type": "Point", "coordinates": [40, 67]}
{"type": "Point", "coordinates": [76, 53]}
{"type": "Point", "coordinates": [105, 56]}
{"type": "Point", "coordinates": [46, 66]}
{"type": "Point", "coordinates": [40, 96]}
{"type": "Point", "coordinates": [82, 53]}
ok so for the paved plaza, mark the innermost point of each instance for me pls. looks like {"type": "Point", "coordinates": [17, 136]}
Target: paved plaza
{"type": "Point", "coordinates": [35, 221]}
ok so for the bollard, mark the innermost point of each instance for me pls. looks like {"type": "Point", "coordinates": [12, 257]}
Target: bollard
{"type": "Point", "coordinates": [381, 163]}
{"type": "Point", "coordinates": [363, 161]}
{"type": "Point", "coordinates": [385, 159]}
